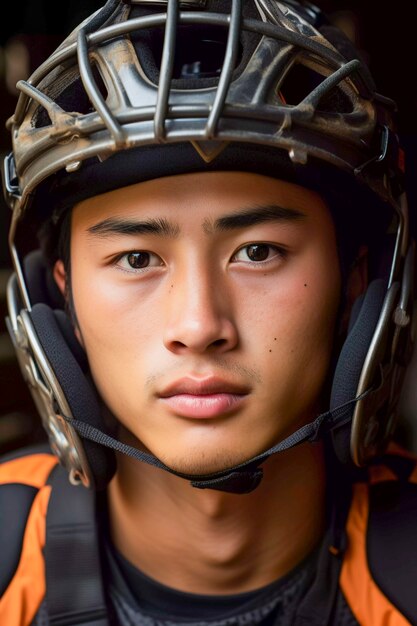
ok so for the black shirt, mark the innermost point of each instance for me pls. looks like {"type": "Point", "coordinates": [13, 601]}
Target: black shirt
{"type": "Point", "coordinates": [138, 600]}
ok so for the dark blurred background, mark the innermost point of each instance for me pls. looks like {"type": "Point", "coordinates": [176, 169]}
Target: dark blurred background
{"type": "Point", "coordinates": [384, 32]}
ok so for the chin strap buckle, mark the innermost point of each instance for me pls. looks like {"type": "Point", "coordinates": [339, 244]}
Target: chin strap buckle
{"type": "Point", "coordinates": [391, 155]}
{"type": "Point", "coordinates": [11, 189]}
{"type": "Point", "coordinates": [239, 481]}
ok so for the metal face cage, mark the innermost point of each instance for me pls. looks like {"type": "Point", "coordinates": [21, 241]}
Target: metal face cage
{"type": "Point", "coordinates": [136, 112]}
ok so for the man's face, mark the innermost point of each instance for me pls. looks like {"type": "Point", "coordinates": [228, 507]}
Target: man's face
{"type": "Point", "coordinates": [207, 304]}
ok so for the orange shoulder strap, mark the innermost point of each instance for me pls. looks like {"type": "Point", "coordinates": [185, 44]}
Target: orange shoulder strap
{"type": "Point", "coordinates": [23, 596]}
{"type": "Point", "coordinates": [367, 602]}
{"type": "Point", "coordinates": [32, 470]}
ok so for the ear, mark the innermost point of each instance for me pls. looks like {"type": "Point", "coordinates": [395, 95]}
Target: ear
{"type": "Point", "coordinates": [60, 277]}
{"type": "Point", "coordinates": [357, 282]}
{"type": "Point", "coordinates": [358, 275]}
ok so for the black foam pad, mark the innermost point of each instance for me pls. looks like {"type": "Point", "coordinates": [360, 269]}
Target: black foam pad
{"type": "Point", "coordinates": [63, 353]}
{"type": "Point", "coordinates": [356, 309]}
{"type": "Point", "coordinates": [352, 358]}
{"type": "Point", "coordinates": [71, 340]}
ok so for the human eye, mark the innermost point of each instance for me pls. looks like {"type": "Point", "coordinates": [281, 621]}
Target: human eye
{"type": "Point", "coordinates": [137, 260]}
{"type": "Point", "coordinates": [257, 253]}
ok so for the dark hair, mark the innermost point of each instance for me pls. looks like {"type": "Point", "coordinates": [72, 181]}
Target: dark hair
{"type": "Point", "coordinates": [54, 237]}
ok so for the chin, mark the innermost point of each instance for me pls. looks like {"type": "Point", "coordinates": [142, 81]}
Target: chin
{"type": "Point", "coordinates": [199, 463]}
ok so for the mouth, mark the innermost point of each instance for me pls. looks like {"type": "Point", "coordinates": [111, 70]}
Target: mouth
{"type": "Point", "coordinates": [202, 399]}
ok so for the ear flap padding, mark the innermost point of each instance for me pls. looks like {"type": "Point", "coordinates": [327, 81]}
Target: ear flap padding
{"type": "Point", "coordinates": [352, 357]}
{"type": "Point", "coordinates": [65, 355]}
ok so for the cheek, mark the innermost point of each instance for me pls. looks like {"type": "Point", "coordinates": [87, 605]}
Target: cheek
{"type": "Point", "coordinates": [290, 329]}
{"type": "Point", "coordinates": [110, 310]}
{"type": "Point", "coordinates": [117, 330]}
{"type": "Point", "coordinates": [301, 301]}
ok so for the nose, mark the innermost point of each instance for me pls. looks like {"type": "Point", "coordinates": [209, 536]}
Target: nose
{"type": "Point", "coordinates": [199, 316]}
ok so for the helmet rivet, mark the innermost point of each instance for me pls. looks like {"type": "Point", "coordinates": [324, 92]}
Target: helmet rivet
{"type": "Point", "coordinates": [298, 156]}
{"type": "Point", "coordinates": [21, 336]}
{"type": "Point", "coordinates": [73, 167]}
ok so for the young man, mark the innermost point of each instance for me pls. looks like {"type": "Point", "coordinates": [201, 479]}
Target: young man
{"type": "Point", "coordinates": [218, 193]}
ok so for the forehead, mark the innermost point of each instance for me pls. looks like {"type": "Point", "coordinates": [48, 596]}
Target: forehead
{"type": "Point", "coordinates": [199, 198]}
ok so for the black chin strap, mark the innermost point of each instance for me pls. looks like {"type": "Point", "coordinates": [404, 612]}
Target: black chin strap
{"type": "Point", "coordinates": [242, 478]}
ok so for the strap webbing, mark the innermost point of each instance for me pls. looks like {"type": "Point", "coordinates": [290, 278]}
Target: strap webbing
{"type": "Point", "coordinates": [318, 606]}
{"type": "Point", "coordinates": [74, 590]}
{"type": "Point", "coordinates": [244, 477]}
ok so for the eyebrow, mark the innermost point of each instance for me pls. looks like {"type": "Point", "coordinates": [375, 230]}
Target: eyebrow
{"type": "Point", "coordinates": [245, 218]}
{"type": "Point", "coordinates": [253, 216]}
{"type": "Point", "coordinates": [116, 226]}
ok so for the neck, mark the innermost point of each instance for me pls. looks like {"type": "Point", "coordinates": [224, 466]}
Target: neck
{"type": "Point", "coordinates": [206, 541]}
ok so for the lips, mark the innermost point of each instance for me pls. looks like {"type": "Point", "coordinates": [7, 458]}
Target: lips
{"type": "Point", "coordinates": [201, 387]}
{"type": "Point", "coordinates": [211, 397]}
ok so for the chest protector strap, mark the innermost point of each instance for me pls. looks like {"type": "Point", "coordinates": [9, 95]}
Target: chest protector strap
{"type": "Point", "coordinates": [74, 591]}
